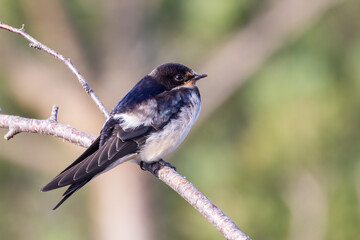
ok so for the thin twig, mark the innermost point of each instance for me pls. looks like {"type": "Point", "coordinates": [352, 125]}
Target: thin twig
{"type": "Point", "coordinates": [38, 45]}
{"type": "Point", "coordinates": [54, 112]}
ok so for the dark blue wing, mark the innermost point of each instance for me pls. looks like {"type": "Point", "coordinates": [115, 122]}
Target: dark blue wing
{"type": "Point", "coordinates": [145, 89]}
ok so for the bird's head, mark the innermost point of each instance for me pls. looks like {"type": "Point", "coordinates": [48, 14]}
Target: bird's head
{"type": "Point", "coordinates": [172, 75]}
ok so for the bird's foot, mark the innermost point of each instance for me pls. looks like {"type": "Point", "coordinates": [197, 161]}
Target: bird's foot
{"type": "Point", "coordinates": [155, 167]}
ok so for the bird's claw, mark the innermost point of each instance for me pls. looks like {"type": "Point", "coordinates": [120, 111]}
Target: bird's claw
{"type": "Point", "coordinates": [155, 167]}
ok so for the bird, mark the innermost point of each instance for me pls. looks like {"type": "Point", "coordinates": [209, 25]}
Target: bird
{"type": "Point", "coordinates": [148, 123]}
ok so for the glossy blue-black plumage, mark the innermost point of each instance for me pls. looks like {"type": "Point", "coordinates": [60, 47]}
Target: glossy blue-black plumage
{"type": "Point", "coordinates": [114, 142]}
{"type": "Point", "coordinates": [145, 89]}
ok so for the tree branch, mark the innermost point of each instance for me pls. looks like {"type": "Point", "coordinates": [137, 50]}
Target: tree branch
{"type": "Point", "coordinates": [38, 45]}
{"type": "Point", "coordinates": [166, 174]}
{"type": "Point", "coordinates": [201, 203]}
{"type": "Point", "coordinates": [50, 126]}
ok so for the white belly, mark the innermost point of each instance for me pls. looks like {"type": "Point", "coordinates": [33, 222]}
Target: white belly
{"type": "Point", "coordinates": [161, 143]}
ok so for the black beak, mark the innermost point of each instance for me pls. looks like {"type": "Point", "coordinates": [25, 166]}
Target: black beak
{"type": "Point", "coordinates": [198, 76]}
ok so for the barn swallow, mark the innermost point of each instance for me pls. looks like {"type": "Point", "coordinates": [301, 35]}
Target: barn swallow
{"type": "Point", "coordinates": [147, 124]}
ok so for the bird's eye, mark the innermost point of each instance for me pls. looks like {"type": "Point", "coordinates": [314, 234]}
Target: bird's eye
{"type": "Point", "coordinates": [179, 77]}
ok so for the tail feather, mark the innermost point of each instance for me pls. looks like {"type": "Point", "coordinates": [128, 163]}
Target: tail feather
{"type": "Point", "coordinates": [70, 191]}
{"type": "Point", "coordinates": [62, 201]}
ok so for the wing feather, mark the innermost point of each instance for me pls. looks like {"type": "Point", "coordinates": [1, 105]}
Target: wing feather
{"type": "Point", "coordinates": [96, 159]}
{"type": "Point", "coordinates": [112, 151]}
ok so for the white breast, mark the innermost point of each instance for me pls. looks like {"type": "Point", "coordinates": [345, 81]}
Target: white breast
{"type": "Point", "coordinates": [139, 117]}
{"type": "Point", "coordinates": [161, 143]}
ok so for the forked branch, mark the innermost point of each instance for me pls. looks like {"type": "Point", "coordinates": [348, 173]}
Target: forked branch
{"type": "Point", "coordinates": [50, 126]}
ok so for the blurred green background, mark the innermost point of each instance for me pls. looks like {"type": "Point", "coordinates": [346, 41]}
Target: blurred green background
{"type": "Point", "coordinates": [278, 152]}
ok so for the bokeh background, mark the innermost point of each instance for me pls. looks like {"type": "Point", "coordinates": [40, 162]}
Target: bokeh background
{"type": "Point", "coordinates": [277, 146]}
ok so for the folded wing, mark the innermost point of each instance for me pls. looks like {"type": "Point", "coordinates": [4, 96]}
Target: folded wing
{"type": "Point", "coordinates": [119, 147]}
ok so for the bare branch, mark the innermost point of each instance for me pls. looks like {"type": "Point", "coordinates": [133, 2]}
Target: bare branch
{"type": "Point", "coordinates": [10, 134]}
{"type": "Point", "coordinates": [50, 126]}
{"type": "Point", "coordinates": [201, 203]}
{"type": "Point", "coordinates": [38, 45]}
{"type": "Point", "coordinates": [166, 174]}
{"type": "Point", "coordinates": [54, 112]}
